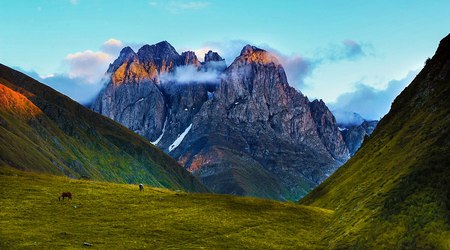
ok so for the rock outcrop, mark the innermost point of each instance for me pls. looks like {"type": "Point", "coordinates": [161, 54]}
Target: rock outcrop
{"type": "Point", "coordinates": [354, 135]}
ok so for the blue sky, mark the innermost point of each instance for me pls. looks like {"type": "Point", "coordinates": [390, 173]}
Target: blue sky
{"type": "Point", "coordinates": [356, 55]}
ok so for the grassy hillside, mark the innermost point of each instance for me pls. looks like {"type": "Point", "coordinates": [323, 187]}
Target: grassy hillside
{"type": "Point", "coordinates": [44, 131]}
{"type": "Point", "coordinates": [395, 191]}
{"type": "Point", "coordinates": [118, 216]}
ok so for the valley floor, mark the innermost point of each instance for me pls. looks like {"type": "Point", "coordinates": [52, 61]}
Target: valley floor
{"type": "Point", "coordinates": [118, 216]}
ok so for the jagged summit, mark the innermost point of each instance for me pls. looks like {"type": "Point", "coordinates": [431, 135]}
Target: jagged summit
{"type": "Point", "coordinates": [152, 60]}
{"type": "Point", "coordinates": [248, 49]}
{"type": "Point", "coordinates": [126, 56]}
{"type": "Point", "coordinates": [127, 50]}
{"type": "Point", "coordinates": [160, 51]}
{"type": "Point", "coordinates": [252, 54]}
{"type": "Point", "coordinates": [213, 61]}
{"type": "Point", "coordinates": [189, 58]}
{"type": "Point", "coordinates": [213, 57]}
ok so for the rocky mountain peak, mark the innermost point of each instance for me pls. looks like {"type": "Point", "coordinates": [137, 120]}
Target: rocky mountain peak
{"type": "Point", "coordinates": [126, 51]}
{"type": "Point", "coordinates": [189, 58]}
{"type": "Point", "coordinates": [252, 54]}
{"type": "Point", "coordinates": [213, 57]}
{"type": "Point", "coordinates": [247, 49]}
{"type": "Point", "coordinates": [126, 54]}
{"type": "Point", "coordinates": [156, 59]}
{"type": "Point", "coordinates": [214, 61]}
{"type": "Point", "coordinates": [256, 73]}
{"type": "Point", "coordinates": [158, 52]}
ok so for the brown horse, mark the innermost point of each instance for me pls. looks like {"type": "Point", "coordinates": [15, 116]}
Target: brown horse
{"type": "Point", "coordinates": [64, 195]}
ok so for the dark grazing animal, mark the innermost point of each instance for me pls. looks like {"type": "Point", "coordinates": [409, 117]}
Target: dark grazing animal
{"type": "Point", "coordinates": [141, 187]}
{"type": "Point", "coordinates": [64, 195]}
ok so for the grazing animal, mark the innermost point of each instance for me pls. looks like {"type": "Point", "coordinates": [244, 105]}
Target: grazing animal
{"type": "Point", "coordinates": [141, 187]}
{"type": "Point", "coordinates": [64, 195]}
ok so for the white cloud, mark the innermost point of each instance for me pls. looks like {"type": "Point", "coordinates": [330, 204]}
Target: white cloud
{"type": "Point", "coordinates": [88, 65]}
{"type": "Point", "coordinates": [369, 102]}
{"type": "Point", "coordinates": [86, 72]}
{"type": "Point", "coordinates": [112, 46]}
{"type": "Point", "coordinates": [73, 2]}
{"type": "Point", "coordinates": [189, 74]}
{"type": "Point", "coordinates": [47, 76]}
{"type": "Point", "coordinates": [76, 88]}
{"type": "Point", "coordinates": [297, 67]}
{"type": "Point", "coordinates": [348, 118]}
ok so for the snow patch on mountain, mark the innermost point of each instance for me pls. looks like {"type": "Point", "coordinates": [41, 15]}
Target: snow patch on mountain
{"type": "Point", "coordinates": [180, 138]}
{"type": "Point", "coordinates": [162, 134]}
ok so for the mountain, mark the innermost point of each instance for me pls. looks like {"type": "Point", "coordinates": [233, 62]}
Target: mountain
{"type": "Point", "coordinates": [345, 118]}
{"type": "Point", "coordinates": [45, 131]}
{"type": "Point", "coordinates": [354, 135]}
{"type": "Point", "coordinates": [241, 129]}
{"type": "Point", "coordinates": [395, 191]}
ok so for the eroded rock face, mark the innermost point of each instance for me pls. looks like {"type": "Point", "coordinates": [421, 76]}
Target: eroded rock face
{"type": "Point", "coordinates": [132, 97]}
{"type": "Point", "coordinates": [328, 131]}
{"type": "Point", "coordinates": [249, 134]}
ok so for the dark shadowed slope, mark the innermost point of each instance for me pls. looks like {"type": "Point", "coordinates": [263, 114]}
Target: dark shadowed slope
{"type": "Point", "coordinates": [44, 131]}
{"type": "Point", "coordinates": [395, 191]}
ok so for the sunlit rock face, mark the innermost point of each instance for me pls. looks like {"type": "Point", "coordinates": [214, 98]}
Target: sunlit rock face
{"type": "Point", "coordinates": [189, 58]}
{"type": "Point", "coordinates": [244, 131]}
{"type": "Point", "coordinates": [132, 96]}
{"type": "Point", "coordinates": [136, 97]}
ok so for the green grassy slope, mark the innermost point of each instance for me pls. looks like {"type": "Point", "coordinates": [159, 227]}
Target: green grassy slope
{"type": "Point", "coordinates": [395, 191]}
{"type": "Point", "coordinates": [118, 216]}
{"type": "Point", "coordinates": [42, 130]}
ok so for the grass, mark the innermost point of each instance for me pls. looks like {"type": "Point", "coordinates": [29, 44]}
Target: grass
{"type": "Point", "coordinates": [118, 216]}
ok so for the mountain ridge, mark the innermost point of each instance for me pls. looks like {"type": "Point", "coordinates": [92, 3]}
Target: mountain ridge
{"type": "Point", "coordinates": [61, 136]}
{"type": "Point", "coordinates": [238, 118]}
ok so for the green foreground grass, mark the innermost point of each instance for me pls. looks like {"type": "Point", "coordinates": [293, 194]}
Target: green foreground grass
{"type": "Point", "coordinates": [118, 216]}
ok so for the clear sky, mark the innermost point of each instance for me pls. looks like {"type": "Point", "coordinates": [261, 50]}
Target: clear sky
{"type": "Point", "coordinates": [356, 55]}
